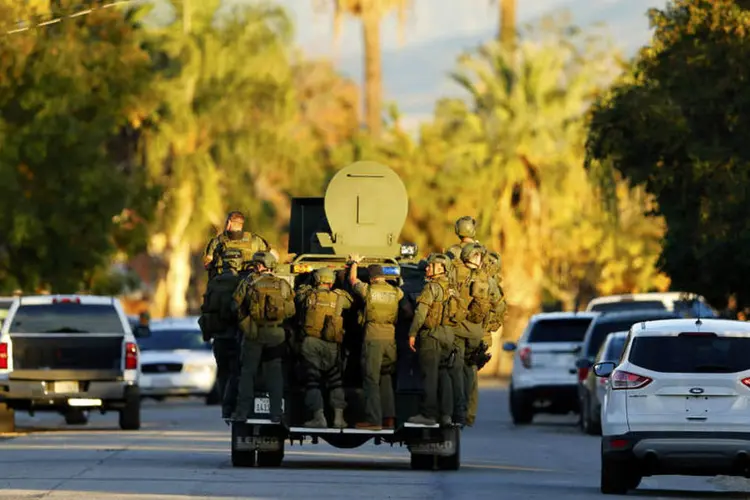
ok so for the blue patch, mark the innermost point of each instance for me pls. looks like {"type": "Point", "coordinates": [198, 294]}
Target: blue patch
{"type": "Point", "coordinates": [391, 270]}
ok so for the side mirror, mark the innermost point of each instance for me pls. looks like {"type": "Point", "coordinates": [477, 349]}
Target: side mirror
{"type": "Point", "coordinates": [141, 332]}
{"type": "Point", "coordinates": [509, 346]}
{"type": "Point", "coordinates": [583, 363]}
{"type": "Point", "coordinates": [577, 349]}
{"type": "Point", "coordinates": [604, 369]}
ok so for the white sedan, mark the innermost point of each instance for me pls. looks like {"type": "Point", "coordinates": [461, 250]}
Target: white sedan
{"type": "Point", "coordinates": [175, 361]}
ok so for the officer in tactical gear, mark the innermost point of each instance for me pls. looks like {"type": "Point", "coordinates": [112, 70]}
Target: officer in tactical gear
{"type": "Point", "coordinates": [474, 290]}
{"type": "Point", "coordinates": [381, 307]}
{"type": "Point", "coordinates": [322, 329]}
{"type": "Point", "coordinates": [232, 244]}
{"type": "Point", "coordinates": [434, 324]}
{"type": "Point", "coordinates": [263, 302]}
{"type": "Point", "coordinates": [218, 321]}
{"type": "Point", "coordinates": [466, 230]}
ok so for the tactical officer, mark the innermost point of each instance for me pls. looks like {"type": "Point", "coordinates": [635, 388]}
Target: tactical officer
{"type": "Point", "coordinates": [381, 305]}
{"type": "Point", "coordinates": [218, 321]}
{"type": "Point", "coordinates": [466, 230]}
{"type": "Point", "coordinates": [475, 297]}
{"type": "Point", "coordinates": [434, 323]}
{"type": "Point", "coordinates": [232, 244]}
{"type": "Point", "coordinates": [322, 328]}
{"type": "Point", "coordinates": [263, 301]}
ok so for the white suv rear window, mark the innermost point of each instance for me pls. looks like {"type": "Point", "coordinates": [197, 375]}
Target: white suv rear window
{"type": "Point", "coordinates": [692, 353]}
{"type": "Point", "coordinates": [559, 330]}
{"type": "Point", "coordinates": [66, 318]}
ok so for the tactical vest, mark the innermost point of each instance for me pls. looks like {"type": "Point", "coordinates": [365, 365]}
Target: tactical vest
{"type": "Point", "coordinates": [269, 300]}
{"type": "Point", "coordinates": [231, 254]}
{"type": "Point", "coordinates": [216, 311]}
{"type": "Point", "coordinates": [381, 304]}
{"type": "Point", "coordinates": [446, 306]}
{"type": "Point", "coordinates": [475, 295]}
{"type": "Point", "coordinates": [321, 318]}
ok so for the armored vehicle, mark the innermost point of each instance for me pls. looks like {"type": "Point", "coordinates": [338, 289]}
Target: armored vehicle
{"type": "Point", "coordinates": [363, 212]}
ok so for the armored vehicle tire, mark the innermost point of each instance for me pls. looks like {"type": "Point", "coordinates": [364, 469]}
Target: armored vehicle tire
{"type": "Point", "coordinates": [130, 415]}
{"type": "Point", "coordinates": [243, 458]}
{"type": "Point", "coordinates": [271, 458]}
{"type": "Point", "coordinates": [520, 411]}
{"type": "Point", "coordinates": [422, 462]}
{"type": "Point", "coordinates": [7, 419]}
{"type": "Point", "coordinates": [76, 416]}
{"type": "Point", "coordinates": [452, 462]}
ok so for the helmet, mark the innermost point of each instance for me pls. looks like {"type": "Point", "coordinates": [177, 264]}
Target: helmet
{"type": "Point", "coordinates": [466, 227]}
{"type": "Point", "coordinates": [267, 259]}
{"type": "Point", "coordinates": [324, 275]}
{"type": "Point", "coordinates": [440, 258]}
{"type": "Point", "coordinates": [471, 250]}
{"type": "Point", "coordinates": [375, 270]}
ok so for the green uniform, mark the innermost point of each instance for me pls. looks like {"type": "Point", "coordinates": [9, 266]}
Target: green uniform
{"type": "Point", "coordinates": [322, 329]}
{"type": "Point", "coordinates": [228, 250]}
{"type": "Point", "coordinates": [434, 325]}
{"type": "Point", "coordinates": [379, 351]}
{"type": "Point", "coordinates": [263, 302]}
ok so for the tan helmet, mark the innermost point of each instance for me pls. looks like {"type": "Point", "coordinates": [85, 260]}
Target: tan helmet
{"type": "Point", "coordinates": [267, 259]}
{"type": "Point", "coordinates": [440, 258]}
{"type": "Point", "coordinates": [471, 250]}
{"type": "Point", "coordinates": [466, 227]}
{"type": "Point", "coordinates": [324, 276]}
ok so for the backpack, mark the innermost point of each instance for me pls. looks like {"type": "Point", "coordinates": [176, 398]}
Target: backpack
{"type": "Point", "coordinates": [321, 318]}
{"type": "Point", "coordinates": [381, 304]}
{"type": "Point", "coordinates": [216, 311]}
{"type": "Point", "coordinates": [477, 296]}
{"type": "Point", "coordinates": [269, 300]}
{"type": "Point", "coordinates": [231, 254]}
{"type": "Point", "coordinates": [445, 308]}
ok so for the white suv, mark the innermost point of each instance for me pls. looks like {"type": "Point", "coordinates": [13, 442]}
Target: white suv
{"type": "Point", "coordinates": [678, 403]}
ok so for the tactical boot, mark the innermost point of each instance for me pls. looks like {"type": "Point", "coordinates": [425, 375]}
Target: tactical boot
{"type": "Point", "coordinates": [318, 421]}
{"type": "Point", "coordinates": [422, 420]}
{"type": "Point", "coordinates": [445, 421]}
{"type": "Point", "coordinates": [338, 419]}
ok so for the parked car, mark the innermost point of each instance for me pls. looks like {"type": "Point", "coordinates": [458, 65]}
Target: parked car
{"type": "Point", "coordinates": [688, 305]}
{"type": "Point", "coordinates": [594, 387]}
{"type": "Point", "coordinates": [677, 403]}
{"type": "Point", "coordinates": [543, 379]}
{"type": "Point", "coordinates": [70, 354]}
{"type": "Point", "coordinates": [176, 361]}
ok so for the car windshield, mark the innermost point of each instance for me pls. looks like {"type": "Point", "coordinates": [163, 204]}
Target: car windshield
{"type": "Point", "coordinates": [693, 309]}
{"type": "Point", "coordinates": [691, 354]}
{"type": "Point", "coordinates": [173, 340]}
{"type": "Point", "coordinates": [629, 305]}
{"type": "Point", "coordinates": [559, 330]}
{"type": "Point", "coordinates": [603, 328]}
{"type": "Point", "coordinates": [67, 318]}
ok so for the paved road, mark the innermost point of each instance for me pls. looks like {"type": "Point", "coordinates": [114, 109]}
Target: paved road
{"type": "Point", "coordinates": [183, 452]}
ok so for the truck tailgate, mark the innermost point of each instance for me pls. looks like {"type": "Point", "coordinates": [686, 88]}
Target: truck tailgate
{"type": "Point", "coordinates": [70, 352]}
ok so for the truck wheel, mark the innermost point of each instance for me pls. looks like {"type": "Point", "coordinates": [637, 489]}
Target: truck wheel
{"type": "Point", "coordinates": [130, 416]}
{"type": "Point", "coordinates": [615, 479]}
{"type": "Point", "coordinates": [452, 462]}
{"type": "Point", "coordinates": [76, 417]}
{"type": "Point", "coordinates": [7, 419]}
{"type": "Point", "coordinates": [422, 462]}
{"type": "Point", "coordinates": [520, 411]}
{"type": "Point", "coordinates": [243, 458]}
{"type": "Point", "coordinates": [271, 458]}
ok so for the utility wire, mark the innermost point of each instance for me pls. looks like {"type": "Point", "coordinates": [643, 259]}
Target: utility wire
{"type": "Point", "coordinates": [69, 16]}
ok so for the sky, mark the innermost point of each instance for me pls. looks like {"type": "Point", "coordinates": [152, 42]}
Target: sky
{"type": "Point", "coordinates": [415, 68]}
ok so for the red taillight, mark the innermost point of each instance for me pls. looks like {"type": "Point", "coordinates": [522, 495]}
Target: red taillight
{"type": "Point", "coordinates": [131, 356]}
{"type": "Point", "coordinates": [582, 374]}
{"type": "Point", "coordinates": [627, 380]}
{"type": "Point", "coordinates": [3, 355]}
{"type": "Point", "coordinates": [619, 443]}
{"type": "Point", "coordinates": [66, 301]}
{"type": "Point", "coordinates": [745, 381]}
{"type": "Point", "coordinates": [525, 356]}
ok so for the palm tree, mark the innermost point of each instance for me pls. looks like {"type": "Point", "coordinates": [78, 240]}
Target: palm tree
{"type": "Point", "coordinates": [506, 33]}
{"type": "Point", "coordinates": [370, 13]}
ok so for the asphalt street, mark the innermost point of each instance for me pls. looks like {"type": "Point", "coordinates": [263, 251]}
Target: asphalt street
{"type": "Point", "coordinates": [182, 451]}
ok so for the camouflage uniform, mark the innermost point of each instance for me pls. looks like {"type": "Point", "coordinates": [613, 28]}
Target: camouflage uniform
{"type": "Point", "coordinates": [234, 246]}
{"type": "Point", "coordinates": [434, 324]}
{"type": "Point", "coordinates": [263, 302]}
{"type": "Point", "coordinates": [379, 352]}
{"type": "Point", "coordinates": [322, 330]}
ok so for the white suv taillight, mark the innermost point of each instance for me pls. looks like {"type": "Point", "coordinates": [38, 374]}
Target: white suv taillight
{"type": "Point", "coordinates": [622, 380]}
{"type": "Point", "coordinates": [525, 356]}
{"type": "Point", "coordinates": [3, 355]}
{"type": "Point", "coordinates": [131, 356]}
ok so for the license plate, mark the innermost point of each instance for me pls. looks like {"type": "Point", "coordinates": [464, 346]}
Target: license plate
{"type": "Point", "coordinates": [263, 405]}
{"type": "Point", "coordinates": [64, 387]}
{"type": "Point", "coordinates": [161, 382]}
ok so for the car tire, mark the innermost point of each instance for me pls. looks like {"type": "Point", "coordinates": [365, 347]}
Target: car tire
{"type": "Point", "coordinates": [520, 409]}
{"type": "Point", "coordinates": [76, 417]}
{"type": "Point", "coordinates": [595, 421]}
{"type": "Point", "coordinates": [616, 478]}
{"type": "Point", "coordinates": [7, 419]}
{"type": "Point", "coordinates": [130, 415]}
{"type": "Point", "coordinates": [588, 423]}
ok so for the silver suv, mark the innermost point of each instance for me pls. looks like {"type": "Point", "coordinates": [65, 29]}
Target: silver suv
{"type": "Point", "coordinates": [70, 354]}
{"type": "Point", "coordinates": [543, 378]}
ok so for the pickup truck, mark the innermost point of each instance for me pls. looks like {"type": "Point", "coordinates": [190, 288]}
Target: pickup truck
{"type": "Point", "coordinates": [70, 354]}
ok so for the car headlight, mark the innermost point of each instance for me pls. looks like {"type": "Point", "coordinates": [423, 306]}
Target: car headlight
{"type": "Point", "coordinates": [197, 368]}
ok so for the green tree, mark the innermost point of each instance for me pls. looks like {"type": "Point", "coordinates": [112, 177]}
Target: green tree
{"type": "Point", "coordinates": [676, 124]}
{"type": "Point", "coordinates": [68, 92]}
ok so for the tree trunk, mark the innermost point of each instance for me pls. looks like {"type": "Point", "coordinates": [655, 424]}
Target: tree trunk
{"type": "Point", "coordinates": [507, 32]}
{"type": "Point", "coordinates": [373, 70]}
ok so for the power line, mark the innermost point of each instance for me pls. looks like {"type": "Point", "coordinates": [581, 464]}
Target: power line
{"type": "Point", "coordinates": [69, 16]}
